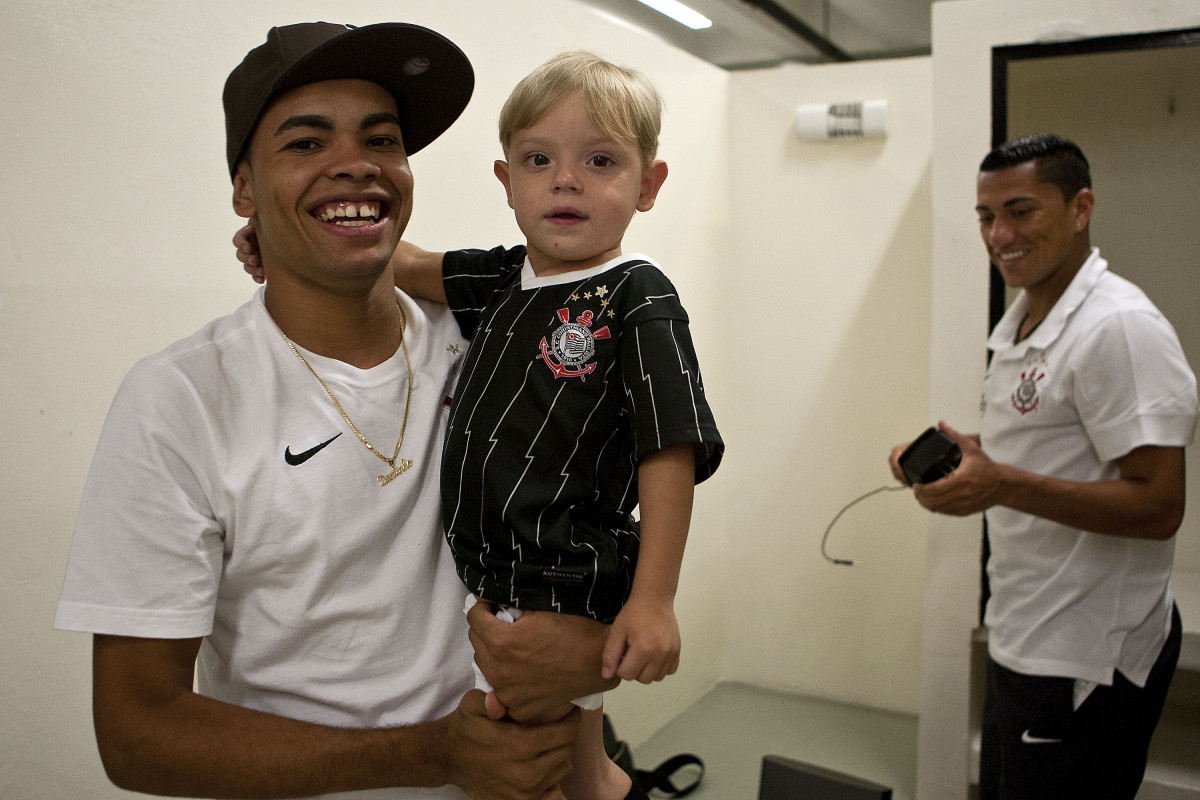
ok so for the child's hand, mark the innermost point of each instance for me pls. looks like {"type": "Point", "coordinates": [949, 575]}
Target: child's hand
{"type": "Point", "coordinates": [643, 644]}
{"type": "Point", "coordinates": [246, 243]}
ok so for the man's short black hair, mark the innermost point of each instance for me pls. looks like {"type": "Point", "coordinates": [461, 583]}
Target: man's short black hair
{"type": "Point", "coordinates": [1058, 161]}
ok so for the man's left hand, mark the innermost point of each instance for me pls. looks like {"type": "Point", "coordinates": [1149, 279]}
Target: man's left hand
{"type": "Point", "coordinates": [972, 486]}
{"type": "Point", "coordinates": [541, 662]}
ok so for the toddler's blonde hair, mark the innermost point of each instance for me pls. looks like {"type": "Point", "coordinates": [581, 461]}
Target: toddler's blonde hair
{"type": "Point", "coordinates": [622, 102]}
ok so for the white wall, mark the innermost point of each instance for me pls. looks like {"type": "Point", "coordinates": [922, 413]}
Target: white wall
{"type": "Point", "coordinates": [827, 303]}
{"type": "Point", "coordinates": [964, 31]}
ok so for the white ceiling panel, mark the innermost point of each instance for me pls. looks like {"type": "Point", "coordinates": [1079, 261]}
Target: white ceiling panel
{"type": "Point", "coordinates": [758, 33]}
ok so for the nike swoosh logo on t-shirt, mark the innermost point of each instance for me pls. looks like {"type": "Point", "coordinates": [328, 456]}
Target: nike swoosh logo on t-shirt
{"type": "Point", "coordinates": [296, 459]}
{"type": "Point", "coordinates": [1029, 738]}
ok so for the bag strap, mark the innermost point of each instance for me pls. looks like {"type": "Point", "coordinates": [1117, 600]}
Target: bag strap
{"type": "Point", "coordinates": [660, 777]}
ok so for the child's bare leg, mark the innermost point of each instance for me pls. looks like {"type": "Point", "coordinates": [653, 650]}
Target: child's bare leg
{"type": "Point", "coordinates": [593, 775]}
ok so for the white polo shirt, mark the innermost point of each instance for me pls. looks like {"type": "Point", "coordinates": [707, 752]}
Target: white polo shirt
{"type": "Point", "coordinates": [1103, 374]}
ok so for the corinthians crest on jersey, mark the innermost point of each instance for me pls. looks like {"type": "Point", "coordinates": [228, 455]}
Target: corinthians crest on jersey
{"type": "Point", "coordinates": [569, 349]}
{"type": "Point", "coordinates": [1025, 397]}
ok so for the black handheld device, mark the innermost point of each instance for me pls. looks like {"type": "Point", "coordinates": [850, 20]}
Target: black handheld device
{"type": "Point", "coordinates": [931, 455]}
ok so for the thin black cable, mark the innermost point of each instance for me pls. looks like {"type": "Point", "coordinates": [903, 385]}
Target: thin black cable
{"type": "Point", "coordinates": [844, 562]}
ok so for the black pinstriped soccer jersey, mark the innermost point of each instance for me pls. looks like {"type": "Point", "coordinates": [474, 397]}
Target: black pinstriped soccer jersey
{"type": "Point", "coordinates": [568, 383]}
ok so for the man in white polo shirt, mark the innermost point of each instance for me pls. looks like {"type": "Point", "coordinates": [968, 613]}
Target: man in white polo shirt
{"type": "Point", "coordinates": [1088, 403]}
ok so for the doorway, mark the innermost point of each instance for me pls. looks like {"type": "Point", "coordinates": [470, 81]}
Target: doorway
{"type": "Point", "coordinates": [1132, 104]}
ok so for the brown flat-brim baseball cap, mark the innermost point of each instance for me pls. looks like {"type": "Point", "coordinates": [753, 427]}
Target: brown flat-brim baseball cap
{"type": "Point", "coordinates": [429, 75]}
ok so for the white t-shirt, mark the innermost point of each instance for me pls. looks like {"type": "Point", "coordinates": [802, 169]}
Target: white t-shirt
{"type": "Point", "coordinates": [228, 499]}
{"type": "Point", "coordinates": [1103, 374]}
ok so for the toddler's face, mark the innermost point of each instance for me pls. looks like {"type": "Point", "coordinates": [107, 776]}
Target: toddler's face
{"type": "Point", "coordinates": [574, 189]}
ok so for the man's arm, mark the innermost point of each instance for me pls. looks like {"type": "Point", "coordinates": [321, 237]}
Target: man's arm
{"type": "Point", "coordinates": [534, 675]}
{"type": "Point", "coordinates": [156, 735]}
{"type": "Point", "coordinates": [1145, 502]}
{"type": "Point", "coordinates": [644, 642]}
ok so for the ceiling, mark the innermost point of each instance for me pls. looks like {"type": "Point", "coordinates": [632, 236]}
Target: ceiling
{"type": "Point", "coordinates": [748, 34]}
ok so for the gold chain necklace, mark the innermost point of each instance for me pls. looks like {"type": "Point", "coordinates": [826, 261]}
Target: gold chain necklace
{"type": "Point", "coordinates": [397, 469]}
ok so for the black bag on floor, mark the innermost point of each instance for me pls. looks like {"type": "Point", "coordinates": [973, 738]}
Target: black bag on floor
{"type": "Point", "coordinates": [658, 778]}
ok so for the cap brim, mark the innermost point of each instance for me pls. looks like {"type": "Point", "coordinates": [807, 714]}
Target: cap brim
{"type": "Point", "coordinates": [429, 76]}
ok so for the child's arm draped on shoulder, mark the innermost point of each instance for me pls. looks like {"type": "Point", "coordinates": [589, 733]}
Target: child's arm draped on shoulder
{"type": "Point", "coordinates": [418, 272]}
{"type": "Point", "coordinates": [644, 643]}
{"type": "Point", "coordinates": [245, 245]}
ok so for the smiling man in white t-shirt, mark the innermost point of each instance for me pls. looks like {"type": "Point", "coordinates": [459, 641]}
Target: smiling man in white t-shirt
{"type": "Point", "coordinates": [262, 515]}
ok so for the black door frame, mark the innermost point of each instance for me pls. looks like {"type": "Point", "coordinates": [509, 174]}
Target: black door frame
{"type": "Point", "coordinates": [1002, 56]}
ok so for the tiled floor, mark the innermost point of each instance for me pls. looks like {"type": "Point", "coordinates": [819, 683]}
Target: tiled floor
{"type": "Point", "coordinates": [734, 726]}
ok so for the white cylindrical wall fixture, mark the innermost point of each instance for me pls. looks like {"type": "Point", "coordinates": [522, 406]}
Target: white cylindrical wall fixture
{"type": "Point", "coordinates": [853, 120]}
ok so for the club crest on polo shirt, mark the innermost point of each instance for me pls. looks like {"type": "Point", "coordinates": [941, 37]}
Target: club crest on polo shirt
{"type": "Point", "coordinates": [1025, 398]}
{"type": "Point", "coordinates": [569, 349]}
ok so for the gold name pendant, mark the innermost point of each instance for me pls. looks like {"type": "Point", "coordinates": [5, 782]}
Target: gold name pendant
{"type": "Point", "coordinates": [396, 472]}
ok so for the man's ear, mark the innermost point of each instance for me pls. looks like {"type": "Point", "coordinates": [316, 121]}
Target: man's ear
{"type": "Point", "coordinates": [652, 181]}
{"type": "Point", "coordinates": [243, 192]}
{"type": "Point", "coordinates": [1082, 206]}
{"type": "Point", "coordinates": [501, 170]}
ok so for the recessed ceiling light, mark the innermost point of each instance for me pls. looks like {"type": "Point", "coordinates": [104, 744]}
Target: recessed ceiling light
{"type": "Point", "coordinates": [680, 13]}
